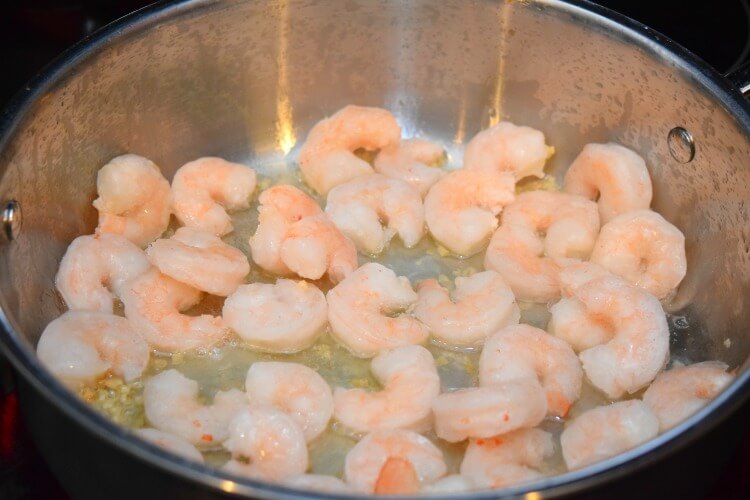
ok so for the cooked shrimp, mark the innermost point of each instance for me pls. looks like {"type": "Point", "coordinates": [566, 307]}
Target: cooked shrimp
{"type": "Point", "coordinates": [201, 260]}
{"type": "Point", "coordinates": [134, 199]}
{"type": "Point", "coordinates": [613, 175]}
{"type": "Point", "coordinates": [638, 347]}
{"type": "Point", "coordinates": [295, 389]}
{"type": "Point", "coordinates": [314, 246]}
{"type": "Point", "coordinates": [540, 233]}
{"type": "Point", "coordinates": [327, 157]}
{"type": "Point", "coordinates": [461, 208]}
{"type": "Point", "coordinates": [284, 317]}
{"type": "Point", "coordinates": [393, 462]}
{"type": "Point", "coordinates": [153, 303]}
{"type": "Point", "coordinates": [280, 207]}
{"type": "Point", "coordinates": [171, 443]}
{"type": "Point", "coordinates": [361, 206]}
{"type": "Point", "coordinates": [171, 404]}
{"type": "Point", "coordinates": [520, 351]}
{"type": "Point", "coordinates": [410, 383]}
{"type": "Point", "coordinates": [454, 483]}
{"type": "Point", "coordinates": [266, 444]}
{"type": "Point", "coordinates": [95, 268]}
{"type": "Point", "coordinates": [361, 312]}
{"type": "Point", "coordinates": [483, 412]}
{"type": "Point", "coordinates": [319, 483]}
{"type": "Point", "coordinates": [81, 346]}
{"type": "Point", "coordinates": [508, 148]}
{"type": "Point", "coordinates": [678, 393]}
{"type": "Point", "coordinates": [413, 161]}
{"type": "Point", "coordinates": [508, 459]}
{"type": "Point", "coordinates": [645, 249]}
{"type": "Point", "coordinates": [480, 304]}
{"type": "Point", "coordinates": [204, 189]}
{"type": "Point", "coordinates": [607, 431]}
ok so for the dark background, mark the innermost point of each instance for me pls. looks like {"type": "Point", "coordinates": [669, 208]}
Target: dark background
{"type": "Point", "coordinates": [34, 32]}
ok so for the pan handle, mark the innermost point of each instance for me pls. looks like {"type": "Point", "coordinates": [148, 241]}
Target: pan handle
{"type": "Point", "coordinates": [740, 78]}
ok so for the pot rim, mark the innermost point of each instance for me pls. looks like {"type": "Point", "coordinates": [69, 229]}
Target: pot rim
{"type": "Point", "coordinates": [23, 357]}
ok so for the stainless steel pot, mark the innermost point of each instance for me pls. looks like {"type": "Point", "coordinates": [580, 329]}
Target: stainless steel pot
{"type": "Point", "coordinates": [246, 80]}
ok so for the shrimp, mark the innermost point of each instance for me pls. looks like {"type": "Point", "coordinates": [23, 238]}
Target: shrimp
{"type": "Point", "coordinates": [393, 462]}
{"type": "Point", "coordinates": [638, 347]}
{"type": "Point", "coordinates": [81, 346]}
{"type": "Point", "coordinates": [170, 402]}
{"type": "Point", "coordinates": [521, 351]}
{"type": "Point", "coordinates": [314, 246]}
{"type": "Point", "coordinates": [280, 207]}
{"type": "Point", "coordinates": [173, 444]}
{"type": "Point", "coordinates": [480, 304]}
{"type": "Point", "coordinates": [134, 199]}
{"type": "Point", "coordinates": [607, 431]}
{"type": "Point", "coordinates": [358, 206]}
{"type": "Point", "coordinates": [266, 444]}
{"type": "Point", "coordinates": [412, 161]}
{"type": "Point", "coordinates": [540, 233]}
{"type": "Point", "coordinates": [645, 249]}
{"type": "Point", "coordinates": [508, 459]}
{"type": "Point", "coordinates": [506, 147]}
{"type": "Point", "coordinates": [327, 157]}
{"type": "Point", "coordinates": [454, 483]}
{"type": "Point", "coordinates": [294, 389]}
{"type": "Point", "coordinates": [678, 393]}
{"type": "Point", "coordinates": [410, 384]}
{"type": "Point", "coordinates": [284, 317]}
{"type": "Point", "coordinates": [204, 189]}
{"type": "Point", "coordinates": [461, 208]}
{"type": "Point", "coordinates": [483, 412]}
{"type": "Point", "coordinates": [201, 260]}
{"type": "Point", "coordinates": [153, 303]}
{"type": "Point", "coordinates": [363, 312]}
{"type": "Point", "coordinates": [613, 175]}
{"type": "Point", "coordinates": [319, 483]}
{"type": "Point", "coordinates": [95, 268]}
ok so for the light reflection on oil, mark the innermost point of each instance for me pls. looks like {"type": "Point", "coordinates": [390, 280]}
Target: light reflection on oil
{"type": "Point", "coordinates": [285, 138]}
{"type": "Point", "coordinates": [497, 97]}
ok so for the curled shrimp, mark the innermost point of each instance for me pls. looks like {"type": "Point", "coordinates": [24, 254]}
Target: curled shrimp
{"type": "Point", "coordinates": [95, 268]}
{"type": "Point", "coordinates": [645, 249]}
{"type": "Point", "coordinates": [361, 312]}
{"type": "Point", "coordinates": [201, 260]}
{"type": "Point", "coordinates": [539, 234]}
{"type": "Point", "coordinates": [461, 208]}
{"type": "Point", "coordinates": [285, 317]}
{"type": "Point", "coordinates": [204, 189]}
{"type": "Point", "coordinates": [678, 393]}
{"type": "Point", "coordinates": [295, 389]}
{"type": "Point", "coordinates": [607, 431]}
{"type": "Point", "coordinates": [320, 483]}
{"type": "Point", "coordinates": [134, 199]}
{"type": "Point", "coordinates": [483, 412]}
{"type": "Point", "coordinates": [613, 175]}
{"type": "Point", "coordinates": [170, 442]}
{"type": "Point", "coordinates": [153, 303]}
{"type": "Point", "coordinates": [266, 444]}
{"type": "Point", "coordinates": [524, 351]}
{"type": "Point", "coordinates": [506, 147]}
{"type": "Point", "coordinates": [480, 304]}
{"type": "Point", "coordinates": [505, 460]}
{"type": "Point", "coordinates": [410, 383]}
{"type": "Point", "coordinates": [634, 321]}
{"type": "Point", "coordinates": [393, 462]}
{"type": "Point", "coordinates": [81, 346]}
{"type": "Point", "coordinates": [412, 161]}
{"type": "Point", "coordinates": [327, 157]}
{"type": "Point", "coordinates": [171, 404]}
{"type": "Point", "coordinates": [358, 206]}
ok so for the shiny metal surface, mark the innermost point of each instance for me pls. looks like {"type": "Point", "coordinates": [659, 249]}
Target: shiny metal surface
{"type": "Point", "coordinates": [246, 80]}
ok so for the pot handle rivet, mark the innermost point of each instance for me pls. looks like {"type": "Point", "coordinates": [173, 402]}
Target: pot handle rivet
{"type": "Point", "coordinates": [11, 220]}
{"type": "Point", "coordinates": [681, 145]}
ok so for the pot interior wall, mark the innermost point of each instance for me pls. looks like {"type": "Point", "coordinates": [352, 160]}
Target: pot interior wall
{"type": "Point", "coordinates": [246, 80]}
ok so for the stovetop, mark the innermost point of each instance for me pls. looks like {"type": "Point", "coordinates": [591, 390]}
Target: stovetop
{"type": "Point", "coordinates": [35, 31]}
